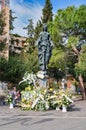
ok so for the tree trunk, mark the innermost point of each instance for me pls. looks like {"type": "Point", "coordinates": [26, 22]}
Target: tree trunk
{"type": "Point", "coordinates": [82, 87]}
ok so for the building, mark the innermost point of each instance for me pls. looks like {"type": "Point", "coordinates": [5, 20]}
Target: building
{"type": "Point", "coordinates": [17, 44]}
{"type": "Point", "coordinates": [4, 6]}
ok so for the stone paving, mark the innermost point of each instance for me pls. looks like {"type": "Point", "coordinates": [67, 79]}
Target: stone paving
{"type": "Point", "coordinates": [16, 119]}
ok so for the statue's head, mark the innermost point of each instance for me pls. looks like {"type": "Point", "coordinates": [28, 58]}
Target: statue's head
{"type": "Point", "coordinates": [44, 27]}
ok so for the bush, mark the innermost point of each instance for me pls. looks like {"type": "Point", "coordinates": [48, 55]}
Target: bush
{"type": "Point", "coordinates": [14, 69]}
{"type": "Point", "coordinates": [11, 70]}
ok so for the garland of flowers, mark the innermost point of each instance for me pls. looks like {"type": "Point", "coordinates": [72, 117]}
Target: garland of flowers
{"type": "Point", "coordinates": [42, 99]}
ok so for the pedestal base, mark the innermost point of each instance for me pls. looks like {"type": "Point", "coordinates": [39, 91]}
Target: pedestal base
{"type": "Point", "coordinates": [42, 78]}
{"type": "Point", "coordinates": [43, 82]}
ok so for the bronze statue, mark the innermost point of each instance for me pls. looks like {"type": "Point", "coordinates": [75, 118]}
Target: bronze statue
{"type": "Point", "coordinates": [45, 46]}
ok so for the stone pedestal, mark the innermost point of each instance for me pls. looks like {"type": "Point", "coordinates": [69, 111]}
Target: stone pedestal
{"type": "Point", "coordinates": [43, 82]}
{"type": "Point", "coordinates": [42, 78]}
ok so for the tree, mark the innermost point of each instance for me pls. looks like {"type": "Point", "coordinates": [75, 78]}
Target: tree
{"type": "Point", "coordinates": [80, 20]}
{"type": "Point", "coordinates": [55, 33]}
{"type": "Point", "coordinates": [80, 69]}
{"type": "Point", "coordinates": [30, 31]}
{"type": "Point", "coordinates": [65, 20]}
{"type": "Point", "coordinates": [58, 59]}
{"type": "Point", "coordinates": [11, 20]}
{"type": "Point", "coordinates": [47, 12]}
{"type": "Point", "coordinates": [14, 69]}
{"type": "Point", "coordinates": [70, 22]}
{"type": "Point", "coordinates": [47, 16]}
{"type": "Point", "coordinates": [80, 66]}
{"type": "Point", "coordinates": [37, 30]}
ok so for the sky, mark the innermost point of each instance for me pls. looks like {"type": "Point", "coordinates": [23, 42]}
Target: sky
{"type": "Point", "coordinates": [32, 9]}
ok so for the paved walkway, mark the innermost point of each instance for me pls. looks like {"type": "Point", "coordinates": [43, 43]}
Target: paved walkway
{"type": "Point", "coordinates": [16, 119]}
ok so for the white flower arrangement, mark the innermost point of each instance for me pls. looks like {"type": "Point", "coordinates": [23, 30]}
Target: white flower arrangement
{"type": "Point", "coordinates": [30, 78]}
{"type": "Point", "coordinates": [40, 99]}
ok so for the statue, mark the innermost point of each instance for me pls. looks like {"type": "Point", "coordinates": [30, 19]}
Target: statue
{"type": "Point", "coordinates": [45, 46]}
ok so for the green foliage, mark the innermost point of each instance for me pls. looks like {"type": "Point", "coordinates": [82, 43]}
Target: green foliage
{"type": "Point", "coordinates": [37, 30]}
{"type": "Point", "coordinates": [22, 86]}
{"type": "Point", "coordinates": [15, 68]}
{"type": "Point", "coordinates": [71, 56]}
{"type": "Point", "coordinates": [30, 31]}
{"type": "Point", "coordinates": [33, 62]}
{"type": "Point", "coordinates": [72, 41]}
{"type": "Point", "coordinates": [2, 45]}
{"type": "Point", "coordinates": [64, 19]}
{"type": "Point", "coordinates": [80, 19]}
{"type": "Point", "coordinates": [55, 34]}
{"type": "Point", "coordinates": [30, 60]}
{"type": "Point", "coordinates": [9, 99]}
{"type": "Point", "coordinates": [57, 59]}
{"type": "Point", "coordinates": [71, 23]}
{"type": "Point", "coordinates": [47, 16]}
{"type": "Point", "coordinates": [11, 20]}
{"type": "Point", "coordinates": [47, 12]}
{"type": "Point", "coordinates": [80, 67]}
{"type": "Point", "coordinates": [12, 70]}
{"type": "Point", "coordinates": [71, 60]}
{"type": "Point", "coordinates": [16, 35]}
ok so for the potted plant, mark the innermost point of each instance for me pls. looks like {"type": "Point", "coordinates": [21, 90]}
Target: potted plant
{"type": "Point", "coordinates": [9, 100]}
{"type": "Point", "coordinates": [66, 101]}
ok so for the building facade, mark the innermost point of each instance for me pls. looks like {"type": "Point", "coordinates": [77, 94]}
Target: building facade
{"type": "Point", "coordinates": [4, 6]}
{"type": "Point", "coordinates": [18, 42]}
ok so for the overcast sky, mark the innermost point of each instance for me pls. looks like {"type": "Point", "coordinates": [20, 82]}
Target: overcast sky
{"type": "Point", "coordinates": [32, 9]}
